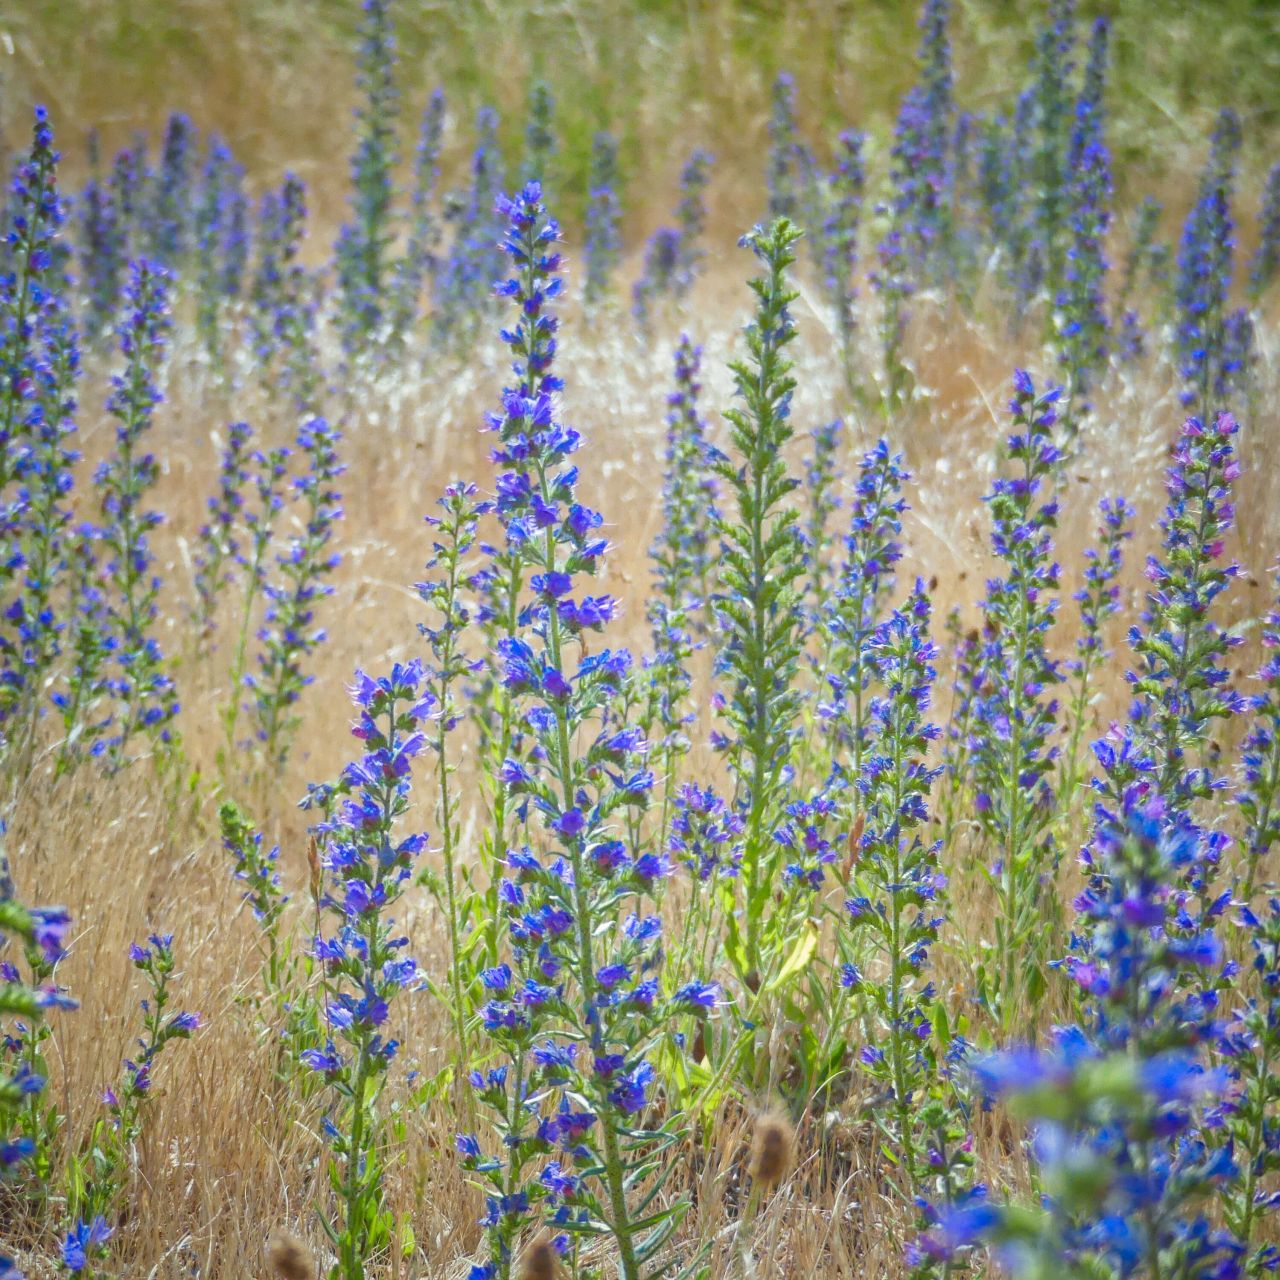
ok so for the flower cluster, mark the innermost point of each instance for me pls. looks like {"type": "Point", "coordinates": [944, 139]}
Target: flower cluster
{"type": "Point", "coordinates": [1098, 600]}
{"type": "Point", "coordinates": [1015, 714]}
{"type": "Point", "coordinates": [1259, 796]}
{"type": "Point", "coordinates": [1208, 364]}
{"type": "Point", "coordinates": [681, 558]}
{"type": "Point", "coordinates": [575, 1005]}
{"type": "Point", "coordinates": [1119, 1103]}
{"type": "Point", "coordinates": [141, 689]}
{"type": "Point", "coordinates": [221, 217]}
{"type": "Point", "coordinates": [282, 315]}
{"type": "Point", "coordinates": [854, 610]}
{"type": "Point", "coordinates": [289, 635]}
{"type": "Point", "coordinates": [39, 358]}
{"type": "Point", "coordinates": [1080, 316]}
{"type": "Point", "coordinates": [1179, 680]}
{"type": "Point", "coordinates": [895, 891]}
{"type": "Point", "coordinates": [368, 861]}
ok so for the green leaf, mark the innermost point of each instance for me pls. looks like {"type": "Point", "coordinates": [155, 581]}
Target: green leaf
{"type": "Point", "coordinates": [802, 953]}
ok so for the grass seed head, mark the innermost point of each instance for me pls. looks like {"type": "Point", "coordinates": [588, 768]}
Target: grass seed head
{"type": "Point", "coordinates": [290, 1258]}
{"type": "Point", "coordinates": [772, 1150]}
{"type": "Point", "coordinates": [541, 1261]}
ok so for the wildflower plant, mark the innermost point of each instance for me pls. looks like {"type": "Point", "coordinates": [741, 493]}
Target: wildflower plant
{"type": "Point", "coordinates": [141, 689]}
{"type": "Point", "coordinates": [855, 608]}
{"type": "Point", "coordinates": [463, 283]}
{"type": "Point", "coordinates": [576, 1007]}
{"type": "Point", "coordinates": [820, 476]}
{"type": "Point", "coordinates": [758, 601]}
{"type": "Point", "coordinates": [1119, 1102]}
{"type": "Point", "coordinates": [678, 606]}
{"type": "Point", "coordinates": [268, 474]}
{"type": "Point", "coordinates": [1250, 1044]}
{"type": "Point", "coordinates": [896, 890]}
{"type": "Point", "coordinates": [1080, 315]}
{"type": "Point", "coordinates": [282, 312]}
{"type": "Point", "coordinates": [219, 230]}
{"type": "Point", "coordinates": [1259, 796]}
{"type": "Point", "coordinates": [1206, 362]}
{"type": "Point", "coordinates": [219, 548]}
{"type": "Point", "coordinates": [1266, 258]}
{"type": "Point", "coordinates": [1179, 679]}
{"type": "Point", "coordinates": [289, 634]}
{"type": "Point", "coordinates": [97, 1176]}
{"type": "Point", "coordinates": [363, 248]}
{"type": "Point", "coordinates": [1098, 600]}
{"type": "Point", "coordinates": [788, 162]}
{"type": "Point", "coordinates": [39, 361]}
{"type": "Point", "coordinates": [603, 244]}
{"type": "Point", "coordinates": [540, 144]}
{"type": "Point", "coordinates": [419, 259]}
{"type": "Point", "coordinates": [256, 869]}
{"type": "Point", "coordinates": [673, 254]}
{"type": "Point", "coordinates": [445, 593]}
{"type": "Point", "coordinates": [839, 238]}
{"type": "Point", "coordinates": [369, 860]}
{"type": "Point", "coordinates": [1015, 717]}
{"type": "Point", "coordinates": [31, 1123]}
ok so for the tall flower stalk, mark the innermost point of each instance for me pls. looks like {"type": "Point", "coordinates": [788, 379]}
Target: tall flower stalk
{"type": "Point", "coordinates": [418, 261]}
{"type": "Point", "coordinates": [896, 888]}
{"type": "Point", "coordinates": [289, 633]}
{"type": "Point", "coordinates": [39, 362]}
{"type": "Point", "coordinates": [1015, 715]}
{"type": "Point", "coordinates": [603, 236]}
{"type": "Point", "coordinates": [364, 243]}
{"type": "Point", "coordinates": [680, 556]}
{"type": "Point", "coordinates": [1206, 361]}
{"type": "Point", "coordinates": [142, 690]}
{"type": "Point", "coordinates": [1098, 601]}
{"type": "Point", "coordinates": [1259, 796]}
{"type": "Point", "coordinates": [855, 609]}
{"type": "Point", "coordinates": [840, 227]}
{"type": "Point", "coordinates": [455, 536]}
{"type": "Point", "coordinates": [369, 861]}
{"type": "Point", "coordinates": [576, 1007]}
{"type": "Point", "coordinates": [762, 564]}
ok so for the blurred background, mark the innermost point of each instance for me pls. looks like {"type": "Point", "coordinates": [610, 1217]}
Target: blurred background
{"type": "Point", "coordinates": [274, 77]}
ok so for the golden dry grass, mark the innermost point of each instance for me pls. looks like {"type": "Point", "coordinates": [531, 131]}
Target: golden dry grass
{"type": "Point", "coordinates": [230, 1154]}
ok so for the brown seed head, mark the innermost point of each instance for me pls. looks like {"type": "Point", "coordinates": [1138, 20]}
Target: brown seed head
{"type": "Point", "coordinates": [772, 1150]}
{"type": "Point", "coordinates": [290, 1258]}
{"type": "Point", "coordinates": [541, 1261]}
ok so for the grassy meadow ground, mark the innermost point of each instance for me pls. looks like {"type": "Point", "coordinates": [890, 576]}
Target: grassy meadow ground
{"type": "Point", "coordinates": [228, 1154]}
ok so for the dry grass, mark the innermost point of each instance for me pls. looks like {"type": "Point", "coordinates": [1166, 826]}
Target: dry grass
{"type": "Point", "coordinates": [230, 1154]}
